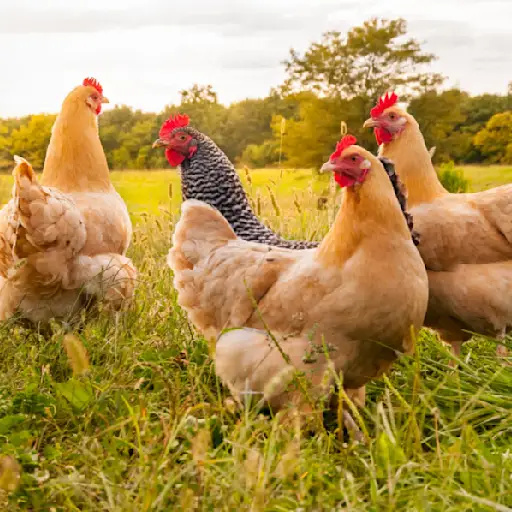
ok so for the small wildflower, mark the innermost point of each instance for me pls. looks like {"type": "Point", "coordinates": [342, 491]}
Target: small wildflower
{"type": "Point", "coordinates": [10, 472]}
{"type": "Point", "coordinates": [248, 175]}
{"type": "Point", "coordinates": [289, 464]}
{"type": "Point", "coordinates": [77, 354]}
{"type": "Point", "coordinates": [253, 465]}
{"type": "Point", "coordinates": [297, 204]}
{"type": "Point", "coordinates": [274, 201]}
{"type": "Point", "coordinates": [200, 445]}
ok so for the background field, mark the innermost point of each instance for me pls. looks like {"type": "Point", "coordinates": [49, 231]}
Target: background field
{"type": "Point", "coordinates": [148, 191]}
{"type": "Point", "coordinates": [150, 428]}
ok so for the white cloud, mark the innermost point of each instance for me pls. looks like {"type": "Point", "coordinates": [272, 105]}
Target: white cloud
{"type": "Point", "coordinates": [144, 53]}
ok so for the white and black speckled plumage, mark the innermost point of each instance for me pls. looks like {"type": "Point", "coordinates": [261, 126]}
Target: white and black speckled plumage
{"type": "Point", "coordinates": [209, 176]}
{"type": "Point", "coordinates": [401, 196]}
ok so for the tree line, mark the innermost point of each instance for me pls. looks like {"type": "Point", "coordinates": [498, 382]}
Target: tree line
{"type": "Point", "coordinates": [337, 79]}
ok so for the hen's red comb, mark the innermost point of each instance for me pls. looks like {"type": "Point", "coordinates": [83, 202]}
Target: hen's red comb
{"type": "Point", "coordinates": [93, 83]}
{"type": "Point", "coordinates": [177, 121]}
{"type": "Point", "coordinates": [344, 143]}
{"type": "Point", "coordinates": [386, 101]}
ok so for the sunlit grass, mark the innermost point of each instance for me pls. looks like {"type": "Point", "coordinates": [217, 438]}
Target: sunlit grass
{"type": "Point", "coordinates": [147, 426]}
{"type": "Point", "coordinates": [148, 191]}
{"type": "Point", "coordinates": [486, 177]}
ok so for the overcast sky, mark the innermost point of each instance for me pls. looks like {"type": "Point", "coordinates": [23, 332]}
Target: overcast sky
{"type": "Point", "coordinates": [145, 52]}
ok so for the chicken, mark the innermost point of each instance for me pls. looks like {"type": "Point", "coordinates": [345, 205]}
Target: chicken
{"type": "Point", "coordinates": [363, 291]}
{"type": "Point", "coordinates": [466, 239]}
{"type": "Point", "coordinates": [65, 239]}
{"type": "Point", "coordinates": [209, 176]}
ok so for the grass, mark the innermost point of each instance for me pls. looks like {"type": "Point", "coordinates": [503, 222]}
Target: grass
{"type": "Point", "coordinates": [483, 178]}
{"type": "Point", "coordinates": [148, 191]}
{"type": "Point", "coordinates": [149, 427]}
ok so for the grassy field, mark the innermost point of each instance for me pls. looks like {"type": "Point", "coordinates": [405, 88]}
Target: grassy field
{"type": "Point", "coordinates": [148, 191]}
{"type": "Point", "coordinates": [150, 428]}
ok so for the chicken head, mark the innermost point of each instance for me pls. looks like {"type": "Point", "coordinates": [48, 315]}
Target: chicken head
{"type": "Point", "coordinates": [94, 95]}
{"type": "Point", "coordinates": [349, 165]}
{"type": "Point", "coordinates": [387, 119]}
{"type": "Point", "coordinates": [177, 138]}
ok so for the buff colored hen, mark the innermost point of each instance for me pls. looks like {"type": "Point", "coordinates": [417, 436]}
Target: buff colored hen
{"type": "Point", "coordinates": [363, 290]}
{"type": "Point", "coordinates": [66, 238]}
{"type": "Point", "coordinates": [466, 239]}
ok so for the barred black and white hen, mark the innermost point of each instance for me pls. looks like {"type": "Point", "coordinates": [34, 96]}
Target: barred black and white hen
{"type": "Point", "coordinates": [209, 176]}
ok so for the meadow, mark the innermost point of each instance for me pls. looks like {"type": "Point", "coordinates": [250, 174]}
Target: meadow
{"type": "Point", "coordinates": [153, 191]}
{"type": "Point", "coordinates": [149, 427]}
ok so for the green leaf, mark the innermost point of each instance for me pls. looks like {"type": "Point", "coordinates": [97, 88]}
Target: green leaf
{"type": "Point", "coordinates": [11, 422]}
{"type": "Point", "coordinates": [78, 394]}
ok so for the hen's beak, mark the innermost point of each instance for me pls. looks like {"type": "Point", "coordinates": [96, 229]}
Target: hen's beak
{"type": "Point", "coordinates": [159, 143]}
{"type": "Point", "coordinates": [328, 166]}
{"type": "Point", "coordinates": [371, 123]}
{"type": "Point", "coordinates": [104, 100]}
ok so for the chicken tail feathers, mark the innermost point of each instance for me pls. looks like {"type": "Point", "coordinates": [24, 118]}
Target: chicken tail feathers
{"type": "Point", "coordinates": [200, 230]}
{"type": "Point", "coordinates": [26, 189]}
{"type": "Point", "coordinates": [43, 218]}
{"type": "Point", "coordinates": [23, 169]}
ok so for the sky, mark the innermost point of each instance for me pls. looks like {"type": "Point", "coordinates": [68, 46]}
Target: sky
{"type": "Point", "coordinates": [145, 52]}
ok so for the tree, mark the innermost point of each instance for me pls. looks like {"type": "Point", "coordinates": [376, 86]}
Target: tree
{"type": "Point", "coordinates": [31, 139]}
{"type": "Point", "coordinates": [262, 155]}
{"type": "Point", "coordinates": [440, 115]}
{"type": "Point", "coordinates": [370, 60]}
{"type": "Point", "coordinates": [248, 123]}
{"type": "Point", "coordinates": [309, 140]}
{"type": "Point", "coordinates": [495, 140]}
{"type": "Point", "coordinates": [249, 131]}
{"type": "Point", "coordinates": [198, 94]}
{"type": "Point", "coordinates": [479, 109]}
{"type": "Point", "coordinates": [206, 113]}
{"type": "Point", "coordinates": [347, 74]}
{"type": "Point", "coordinates": [127, 136]}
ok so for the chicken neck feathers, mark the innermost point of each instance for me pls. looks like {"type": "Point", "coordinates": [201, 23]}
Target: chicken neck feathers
{"type": "Point", "coordinates": [210, 177]}
{"type": "Point", "coordinates": [75, 160]}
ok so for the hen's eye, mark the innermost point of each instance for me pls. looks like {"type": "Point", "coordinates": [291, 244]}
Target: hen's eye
{"type": "Point", "coordinates": [182, 137]}
{"type": "Point", "coordinates": [95, 97]}
{"type": "Point", "coordinates": [392, 116]}
{"type": "Point", "coordinates": [354, 159]}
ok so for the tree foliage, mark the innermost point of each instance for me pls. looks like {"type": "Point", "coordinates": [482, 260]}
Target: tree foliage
{"type": "Point", "coordinates": [28, 138]}
{"type": "Point", "coordinates": [438, 114]}
{"type": "Point", "coordinates": [495, 140]}
{"type": "Point", "coordinates": [366, 62]}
